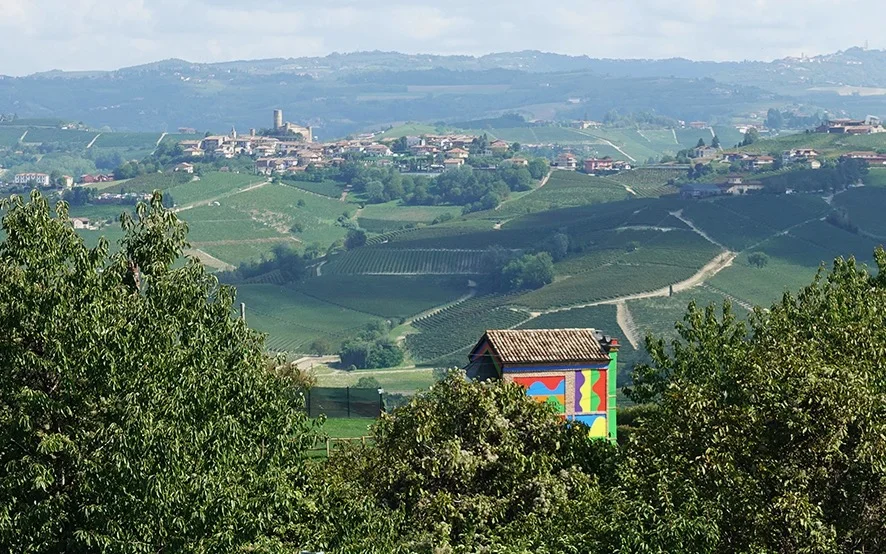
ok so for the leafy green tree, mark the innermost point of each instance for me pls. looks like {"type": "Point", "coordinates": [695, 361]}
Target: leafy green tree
{"type": "Point", "coordinates": [750, 137]}
{"type": "Point", "coordinates": [355, 239]}
{"type": "Point", "coordinates": [774, 119]}
{"type": "Point", "coordinates": [700, 143]}
{"type": "Point", "coordinates": [530, 271]}
{"type": "Point", "coordinates": [320, 347]}
{"type": "Point", "coordinates": [367, 383]}
{"type": "Point", "coordinates": [471, 467]}
{"type": "Point", "coordinates": [768, 436]}
{"type": "Point", "coordinates": [758, 259]}
{"type": "Point", "coordinates": [715, 142]}
{"type": "Point", "coordinates": [538, 168]}
{"type": "Point", "coordinates": [136, 413]}
{"type": "Point", "coordinates": [376, 192]}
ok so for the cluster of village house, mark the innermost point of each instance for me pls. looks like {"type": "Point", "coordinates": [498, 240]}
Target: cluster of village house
{"type": "Point", "coordinates": [804, 157]}
{"type": "Point", "coordinates": [291, 148]}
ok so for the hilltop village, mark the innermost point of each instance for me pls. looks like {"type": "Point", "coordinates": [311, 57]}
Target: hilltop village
{"type": "Point", "coordinates": [288, 148]}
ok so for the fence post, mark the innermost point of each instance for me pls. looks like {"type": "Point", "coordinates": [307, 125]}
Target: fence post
{"type": "Point", "coordinates": [348, 389]}
{"type": "Point", "coordinates": [327, 447]}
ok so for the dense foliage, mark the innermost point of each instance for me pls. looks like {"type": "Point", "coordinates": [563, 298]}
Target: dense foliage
{"type": "Point", "coordinates": [371, 349]}
{"type": "Point", "coordinates": [777, 431]}
{"type": "Point", "coordinates": [135, 413]}
{"type": "Point", "coordinates": [831, 177]}
{"type": "Point", "coordinates": [470, 467]}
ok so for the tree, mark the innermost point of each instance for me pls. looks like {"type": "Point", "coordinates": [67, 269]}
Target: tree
{"type": "Point", "coordinates": [774, 119]}
{"type": "Point", "coordinates": [715, 142]}
{"type": "Point", "coordinates": [400, 145]}
{"type": "Point", "coordinates": [468, 467]}
{"type": "Point", "coordinates": [750, 137]}
{"type": "Point", "coordinates": [758, 259]}
{"type": "Point", "coordinates": [738, 412]}
{"type": "Point", "coordinates": [700, 143]}
{"type": "Point", "coordinates": [538, 168]}
{"type": "Point", "coordinates": [367, 383]}
{"type": "Point", "coordinates": [376, 192]}
{"type": "Point", "coordinates": [530, 271]}
{"type": "Point", "coordinates": [355, 239]}
{"type": "Point", "coordinates": [133, 405]}
{"type": "Point", "coordinates": [320, 347]}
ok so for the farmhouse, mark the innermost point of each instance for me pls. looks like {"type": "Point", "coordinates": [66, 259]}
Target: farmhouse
{"type": "Point", "coordinates": [452, 163]}
{"type": "Point", "coordinates": [594, 164]}
{"type": "Point", "coordinates": [499, 146]}
{"type": "Point", "coordinates": [866, 126]}
{"type": "Point", "coordinates": [700, 190]}
{"type": "Point", "coordinates": [873, 158]}
{"type": "Point", "coordinates": [39, 179]}
{"type": "Point", "coordinates": [184, 168]}
{"type": "Point", "coordinates": [736, 185]}
{"type": "Point", "coordinates": [705, 152]}
{"type": "Point", "coordinates": [566, 160]}
{"type": "Point", "coordinates": [573, 370]}
{"type": "Point", "coordinates": [457, 153]}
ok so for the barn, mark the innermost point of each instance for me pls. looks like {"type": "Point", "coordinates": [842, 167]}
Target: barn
{"type": "Point", "coordinates": [573, 370]}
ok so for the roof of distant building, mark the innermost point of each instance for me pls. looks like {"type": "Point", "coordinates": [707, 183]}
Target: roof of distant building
{"type": "Point", "coordinates": [526, 346]}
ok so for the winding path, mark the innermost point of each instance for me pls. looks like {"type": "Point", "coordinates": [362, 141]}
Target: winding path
{"type": "Point", "coordinates": [610, 143]}
{"type": "Point", "coordinates": [543, 182]}
{"type": "Point", "coordinates": [626, 322]}
{"type": "Point", "coordinates": [209, 260]}
{"type": "Point", "coordinates": [88, 146]}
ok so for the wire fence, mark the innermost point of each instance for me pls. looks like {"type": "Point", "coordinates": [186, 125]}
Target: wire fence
{"type": "Point", "coordinates": [344, 402]}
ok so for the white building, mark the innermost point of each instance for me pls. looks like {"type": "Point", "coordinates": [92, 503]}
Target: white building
{"type": "Point", "coordinates": [40, 179]}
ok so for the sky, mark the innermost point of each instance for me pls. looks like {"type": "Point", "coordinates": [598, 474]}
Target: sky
{"type": "Point", "coordinates": [40, 35]}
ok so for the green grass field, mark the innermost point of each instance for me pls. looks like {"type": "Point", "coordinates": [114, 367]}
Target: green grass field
{"type": "Point", "coordinates": [343, 427]}
{"type": "Point", "coordinates": [658, 316]}
{"type": "Point", "coordinates": [10, 136]}
{"type": "Point", "coordinates": [394, 211]}
{"type": "Point", "coordinates": [865, 206]}
{"type": "Point", "coordinates": [385, 296]}
{"type": "Point", "coordinates": [144, 141]}
{"type": "Point", "coordinates": [293, 320]}
{"type": "Point", "coordinates": [392, 380]}
{"type": "Point", "coordinates": [458, 328]}
{"type": "Point", "coordinates": [564, 189]}
{"type": "Point", "coordinates": [211, 185]}
{"type": "Point", "coordinates": [60, 136]}
{"type": "Point", "coordinates": [396, 261]}
{"type": "Point", "coordinates": [281, 207]}
{"type": "Point", "coordinates": [332, 189]}
{"type": "Point", "coordinates": [762, 286]}
{"type": "Point", "coordinates": [649, 183]}
{"type": "Point", "coordinates": [876, 177]}
{"type": "Point", "coordinates": [604, 284]}
{"type": "Point", "coordinates": [828, 145]}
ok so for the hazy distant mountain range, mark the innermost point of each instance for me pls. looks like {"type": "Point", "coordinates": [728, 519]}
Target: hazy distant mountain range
{"type": "Point", "coordinates": [343, 93]}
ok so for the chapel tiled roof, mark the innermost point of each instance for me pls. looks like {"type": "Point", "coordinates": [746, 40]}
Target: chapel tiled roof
{"type": "Point", "coordinates": [522, 346]}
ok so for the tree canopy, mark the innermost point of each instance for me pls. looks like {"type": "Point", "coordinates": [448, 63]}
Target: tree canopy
{"type": "Point", "coordinates": [135, 412]}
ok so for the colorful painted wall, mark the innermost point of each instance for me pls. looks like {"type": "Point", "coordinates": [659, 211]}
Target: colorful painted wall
{"type": "Point", "coordinates": [549, 389]}
{"type": "Point", "coordinates": [582, 394]}
{"type": "Point", "coordinates": [591, 399]}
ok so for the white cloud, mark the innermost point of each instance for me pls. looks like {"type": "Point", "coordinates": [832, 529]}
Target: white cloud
{"type": "Point", "coordinates": [106, 34]}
